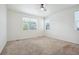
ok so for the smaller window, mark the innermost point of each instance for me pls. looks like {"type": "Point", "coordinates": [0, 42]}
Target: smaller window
{"type": "Point", "coordinates": [47, 25]}
{"type": "Point", "coordinates": [77, 20]}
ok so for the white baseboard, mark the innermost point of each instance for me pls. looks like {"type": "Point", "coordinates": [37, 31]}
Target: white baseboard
{"type": "Point", "coordinates": [59, 38]}
{"type": "Point", "coordinates": [27, 38]}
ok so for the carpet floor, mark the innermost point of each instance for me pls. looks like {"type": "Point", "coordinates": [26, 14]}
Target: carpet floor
{"type": "Point", "coordinates": [40, 46]}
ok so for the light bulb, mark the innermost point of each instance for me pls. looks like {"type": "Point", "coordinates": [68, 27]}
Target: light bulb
{"type": "Point", "coordinates": [42, 9]}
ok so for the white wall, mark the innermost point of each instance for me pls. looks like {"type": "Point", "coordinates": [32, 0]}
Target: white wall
{"type": "Point", "coordinates": [62, 25]}
{"type": "Point", "coordinates": [3, 27]}
{"type": "Point", "coordinates": [15, 26]}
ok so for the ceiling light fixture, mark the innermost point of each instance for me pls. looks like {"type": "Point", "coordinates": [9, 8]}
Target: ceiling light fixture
{"type": "Point", "coordinates": [43, 7]}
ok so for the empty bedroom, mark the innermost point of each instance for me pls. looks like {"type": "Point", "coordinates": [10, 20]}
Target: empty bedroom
{"type": "Point", "coordinates": [39, 29]}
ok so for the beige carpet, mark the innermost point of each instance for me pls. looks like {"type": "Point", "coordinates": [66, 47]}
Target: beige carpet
{"type": "Point", "coordinates": [40, 46]}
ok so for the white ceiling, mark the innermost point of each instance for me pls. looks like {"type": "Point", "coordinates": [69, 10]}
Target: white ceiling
{"type": "Point", "coordinates": [34, 9]}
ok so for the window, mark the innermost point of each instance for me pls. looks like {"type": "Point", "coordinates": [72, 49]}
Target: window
{"type": "Point", "coordinates": [47, 25]}
{"type": "Point", "coordinates": [77, 20]}
{"type": "Point", "coordinates": [29, 24]}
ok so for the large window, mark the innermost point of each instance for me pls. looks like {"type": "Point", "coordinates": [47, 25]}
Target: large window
{"type": "Point", "coordinates": [77, 20]}
{"type": "Point", "coordinates": [29, 24]}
